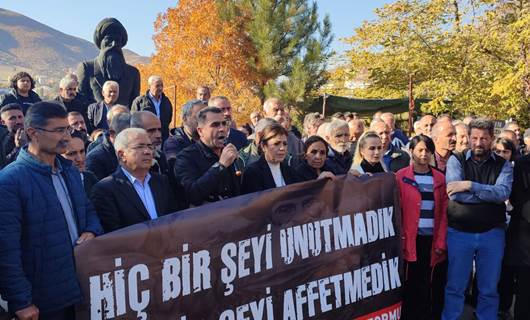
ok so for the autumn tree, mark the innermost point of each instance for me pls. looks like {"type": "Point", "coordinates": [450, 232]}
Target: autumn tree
{"type": "Point", "coordinates": [194, 46]}
{"type": "Point", "coordinates": [467, 56]}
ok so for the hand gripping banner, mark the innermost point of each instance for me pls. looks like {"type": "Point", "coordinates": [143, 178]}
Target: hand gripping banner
{"type": "Point", "coordinates": [315, 250]}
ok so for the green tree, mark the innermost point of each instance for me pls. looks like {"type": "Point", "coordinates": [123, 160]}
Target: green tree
{"type": "Point", "coordinates": [292, 46]}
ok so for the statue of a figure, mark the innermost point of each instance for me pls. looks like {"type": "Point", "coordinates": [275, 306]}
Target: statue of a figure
{"type": "Point", "coordinates": [110, 37]}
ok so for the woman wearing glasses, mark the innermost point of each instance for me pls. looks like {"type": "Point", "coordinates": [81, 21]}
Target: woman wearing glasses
{"type": "Point", "coordinates": [315, 154]}
{"type": "Point", "coordinates": [368, 157]}
{"type": "Point", "coordinates": [424, 223]}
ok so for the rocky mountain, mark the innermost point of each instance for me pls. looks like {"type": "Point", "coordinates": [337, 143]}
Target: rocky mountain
{"type": "Point", "coordinates": [26, 44]}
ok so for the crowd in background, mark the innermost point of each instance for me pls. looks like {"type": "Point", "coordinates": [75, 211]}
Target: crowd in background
{"type": "Point", "coordinates": [74, 169]}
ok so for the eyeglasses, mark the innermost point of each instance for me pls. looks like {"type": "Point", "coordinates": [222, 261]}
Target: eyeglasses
{"type": "Point", "coordinates": [62, 131]}
{"type": "Point", "coordinates": [149, 147]}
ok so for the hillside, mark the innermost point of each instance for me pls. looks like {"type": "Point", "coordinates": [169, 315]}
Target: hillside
{"type": "Point", "coordinates": [26, 44]}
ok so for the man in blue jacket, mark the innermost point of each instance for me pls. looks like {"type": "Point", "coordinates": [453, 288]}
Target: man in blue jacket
{"type": "Point", "coordinates": [44, 213]}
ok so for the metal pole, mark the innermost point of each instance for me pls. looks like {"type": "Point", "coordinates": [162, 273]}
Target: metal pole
{"type": "Point", "coordinates": [175, 105]}
{"type": "Point", "coordinates": [411, 106]}
{"type": "Point", "coordinates": [324, 106]}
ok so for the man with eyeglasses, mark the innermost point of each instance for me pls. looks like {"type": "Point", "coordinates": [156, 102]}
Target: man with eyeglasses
{"type": "Point", "coordinates": [206, 169]}
{"type": "Point", "coordinates": [132, 194]}
{"type": "Point", "coordinates": [44, 214]}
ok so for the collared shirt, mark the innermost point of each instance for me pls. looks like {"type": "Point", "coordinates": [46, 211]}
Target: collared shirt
{"type": "Point", "coordinates": [144, 192]}
{"type": "Point", "coordinates": [499, 192]}
{"type": "Point", "coordinates": [156, 103]}
{"type": "Point", "coordinates": [387, 156]}
{"type": "Point", "coordinates": [277, 174]}
{"type": "Point", "coordinates": [441, 162]}
{"type": "Point", "coordinates": [64, 199]}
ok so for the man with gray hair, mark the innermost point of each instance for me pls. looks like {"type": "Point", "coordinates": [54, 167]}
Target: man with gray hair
{"type": "Point", "coordinates": [186, 135]}
{"type": "Point", "coordinates": [312, 121]}
{"type": "Point", "coordinates": [399, 139]}
{"type": "Point", "coordinates": [155, 101]}
{"type": "Point", "coordinates": [102, 159]}
{"type": "Point", "coordinates": [151, 124]}
{"type": "Point", "coordinates": [275, 109]}
{"type": "Point", "coordinates": [339, 156]}
{"type": "Point", "coordinates": [68, 96]}
{"type": "Point", "coordinates": [97, 112]}
{"type": "Point", "coordinates": [133, 193]}
{"type": "Point", "coordinates": [443, 135]}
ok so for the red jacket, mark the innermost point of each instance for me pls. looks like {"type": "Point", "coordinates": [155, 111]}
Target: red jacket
{"type": "Point", "coordinates": [410, 197]}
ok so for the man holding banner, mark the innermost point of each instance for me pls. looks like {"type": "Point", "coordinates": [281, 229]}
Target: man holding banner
{"type": "Point", "coordinates": [44, 214]}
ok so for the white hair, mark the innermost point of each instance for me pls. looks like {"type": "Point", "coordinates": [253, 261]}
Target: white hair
{"type": "Point", "coordinates": [123, 138]}
{"type": "Point", "coordinates": [153, 78]}
{"type": "Point", "coordinates": [335, 125]}
{"type": "Point", "coordinates": [114, 108]}
{"type": "Point", "coordinates": [67, 81]}
{"type": "Point", "coordinates": [270, 101]}
{"type": "Point", "coordinates": [110, 83]}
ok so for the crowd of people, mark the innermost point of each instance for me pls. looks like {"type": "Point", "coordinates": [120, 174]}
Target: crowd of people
{"type": "Point", "coordinates": [73, 169]}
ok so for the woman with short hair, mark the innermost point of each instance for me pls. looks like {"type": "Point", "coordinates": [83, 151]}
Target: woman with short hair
{"type": "Point", "coordinates": [269, 171]}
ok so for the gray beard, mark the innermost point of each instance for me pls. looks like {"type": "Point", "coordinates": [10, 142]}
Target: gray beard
{"type": "Point", "coordinates": [112, 63]}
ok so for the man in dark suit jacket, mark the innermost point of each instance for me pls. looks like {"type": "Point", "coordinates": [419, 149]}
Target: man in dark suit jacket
{"type": "Point", "coordinates": [97, 112]}
{"type": "Point", "coordinates": [131, 194]}
{"type": "Point", "coordinates": [155, 100]}
{"type": "Point", "coordinates": [110, 37]}
{"type": "Point", "coordinates": [102, 160]}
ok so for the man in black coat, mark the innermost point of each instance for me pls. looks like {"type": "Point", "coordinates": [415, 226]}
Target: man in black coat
{"type": "Point", "coordinates": [75, 152]}
{"type": "Point", "coordinates": [97, 112]}
{"type": "Point", "coordinates": [67, 96]}
{"type": "Point", "coordinates": [155, 101]}
{"type": "Point", "coordinates": [186, 135]}
{"type": "Point", "coordinates": [339, 158]}
{"type": "Point", "coordinates": [131, 194]}
{"type": "Point", "coordinates": [110, 37]}
{"type": "Point", "coordinates": [517, 255]}
{"type": "Point", "coordinates": [12, 117]}
{"type": "Point", "coordinates": [102, 160]}
{"type": "Point", "coordinates": [206, 169]}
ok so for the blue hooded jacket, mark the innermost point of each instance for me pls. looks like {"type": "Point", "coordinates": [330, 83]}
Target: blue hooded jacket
{"type": "Point", "coordinates": [37, 261]}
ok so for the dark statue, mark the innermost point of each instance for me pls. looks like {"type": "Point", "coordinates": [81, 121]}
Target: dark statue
{"type": "Point", "coordinates": [110, 37]}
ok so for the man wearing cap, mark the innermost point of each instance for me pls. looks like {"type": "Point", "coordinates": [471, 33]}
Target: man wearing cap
{"type": "Point", "coordinates": [110, 37]}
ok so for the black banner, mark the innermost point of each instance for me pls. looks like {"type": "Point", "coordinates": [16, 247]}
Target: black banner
{"type": "Point", "coordinates": [316, 250]}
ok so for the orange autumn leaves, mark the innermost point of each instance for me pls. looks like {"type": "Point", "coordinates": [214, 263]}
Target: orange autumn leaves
{"type": "Point", "coordinates": [195, 46]}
